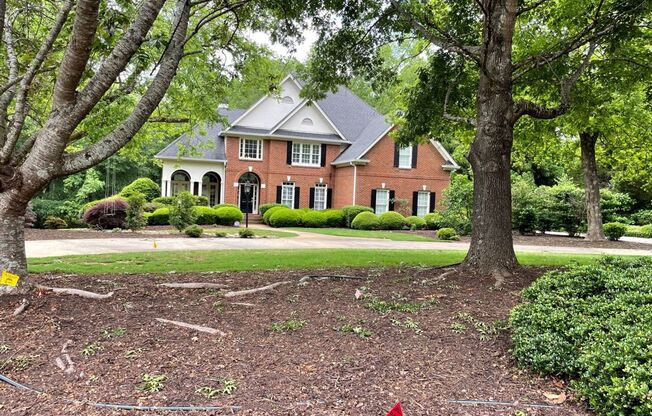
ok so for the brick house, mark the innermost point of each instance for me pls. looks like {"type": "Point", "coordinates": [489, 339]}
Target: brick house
{"type": "Point", "coordinates": [330, 153]}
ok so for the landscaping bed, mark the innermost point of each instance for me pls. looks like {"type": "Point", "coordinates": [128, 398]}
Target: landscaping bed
{"type": "Point", "coordinates": [313, 350]}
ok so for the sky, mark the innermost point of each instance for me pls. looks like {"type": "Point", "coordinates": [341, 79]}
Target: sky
{"type": "Point", "coordinates": [302, 49]}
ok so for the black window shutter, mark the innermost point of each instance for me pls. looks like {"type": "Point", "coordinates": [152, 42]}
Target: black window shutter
{"type": "Point", "coordinates": [391, 200]}
{"type": "Point", "coordinates": [329, 198]}
{"type": "Point", "coordinates": [396, 148]}
{"type": "Point", "coordinates": [311, 204]}
{"type": "Point", "coordinates": [195, 188]}
{"type": "Point", "coordinates": [415, 202]}
{"type": "Point", "coordinates": [373, 199]}
{"type": "Point", "coordinates": [279, 189]}
{"type": "Point", "coordinates": [415, 153]}
{"type": "Point", "coordinates": [323, 154]}
{"type": "Point", "coordinates": [432, 201]}
{"type": "Point", "coordinates": [297, 193]}
{"type": "Point", "coordinates": [289, 153]}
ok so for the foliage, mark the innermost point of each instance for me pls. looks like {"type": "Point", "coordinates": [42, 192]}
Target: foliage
{"type": "Point", "coordinates": [135, 219]}
{"type": "Point", "coordinates": [434, 220]}
{"type": "Point", "coordinates": [592, 323]}
{"type": "Point", "coordinates": [285, 217]}
{"type": "Point", "coordinates": [264, 207]}
{"type": "Point", "coordinates": [334, 217]}
{"type": "Point", "coordinates": [246, 233]}
{"type": "Point", "coordinates": [193, 231]}
{"type": "Point", "coordinates": [458, 200]}
{"type": "Point", "coordinates": [288, 325]}
{"type": "Point", "coordinates": [357, 330]}
{"type": "Point", "coordinates": [44, 208]}
{"type": "Point", "coordinates": [200, 200]}
{"type": "Point", "coordinates": [182, 212]}
{"type": "Point", "coordinates": [159, 217]}
{"type": "Point", "coordinates": [145, 186]}
{"type": "Point", "coordinates": [568, 209]}
{"type": "Point", "coordinates": [151, 206]}
{"type": "Point", "coordinates": [365, 220]}
{"type": "Point", "coordinates": [164, 200]}
{"type": "Point", "coordinates": [54, 223]}
{"type": "Point", "coordinates": [643, 217]}
{"type": "Point", "coordinates": [271, 210]}
{"type": "Point", "coordinates": [152, 383]}
{"type": "Point", "coordinates": [352, 211]}
{"type": "Point", "coordinates": [447, 234]}
{"type": "Point", "coordinates": [614, 205]}
{"type": "Point", "coordinates": [315, 219]}
{"type": "Point", "coordinates": [107, 214]}
{"type": "Point", "coordinates": [525, 204]}
{"type": "Point", "coordinates": [228, 215]}
{"type": "Point", "coordinates": [398, 303]}
{"type": "Point", "coordinates": [644, 231]}
{"type": "Point", "coordinates": [391, 220]}
{"type": "Point", "coordinates": [418, 222]}
{"type": "Point", "coordinates": [226, 205]}
{"type": "Point", "coordinates": [614, 230]}
{"type": "Point", "coordinates": [205, 215]}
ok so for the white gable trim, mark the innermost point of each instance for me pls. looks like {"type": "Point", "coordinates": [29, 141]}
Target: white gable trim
{"type": "Point", "coordinates": [329, 121]}
{"type": "Point", "coordinates": [376, 141]}
{"type": "Point", "coordinates": [447, 156]}
{"type": "Point", "coordinates": [288, 116]}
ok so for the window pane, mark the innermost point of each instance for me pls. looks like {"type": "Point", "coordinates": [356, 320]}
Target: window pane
{"type": "Point", "coordinates": [382, 201]}
{"type": "Point", "coordinates": [320, 197]}
{"type": "Point", "coordinates": [423, 203]}
{"type": "Point", "coordinates": [287, 195]}
{"type": "Point", "coordinates": [251, 148]}
{"type": "Point", "coordinates": [405, 157]}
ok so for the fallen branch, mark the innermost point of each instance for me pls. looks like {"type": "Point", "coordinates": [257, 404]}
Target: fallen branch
{"type": "Point", "coordinates": [195, 285]}
{"type": "Point", "coordinates": [199, 328]}
{"type": "Point", "coordinates": [76, 292]}
{"type": "Point", "coordinates": [250, 291]}
{"type": "Point", "coordinates": [305, 279]}
{"type": "Point", "coordinates": [68, 367]}
{"type": "Point", "coordinates": [21, 308]}
{"type": "Point", "coordinates": [243, 304]}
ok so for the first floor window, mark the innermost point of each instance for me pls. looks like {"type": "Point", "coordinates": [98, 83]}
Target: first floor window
{"type": "Point", "coordinates": [382, 201]}
{"type": "Point", "coordinates": [405, 157]}
{"type": "Point", "coordinates": [320, 196]}
{"type": "Point", "coordinates": [306, 154]}
{"type": "Point", "coordinates": [251, 149]}
{"type": "Point", "coordinates": [287, 194]}
{"type": "Point", "coordinates": [423, 203]}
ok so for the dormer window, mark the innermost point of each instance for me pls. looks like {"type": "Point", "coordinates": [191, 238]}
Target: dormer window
{"type": "Point", "coordinates": [287, 100]}
{"type": "Point", "coordinates": [307, 122]}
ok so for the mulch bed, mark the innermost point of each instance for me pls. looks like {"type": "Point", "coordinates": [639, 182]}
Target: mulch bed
{"type": "Point", "coordinates": [32, 234]}
{"type": "Point", "coordinates": [314, 370]}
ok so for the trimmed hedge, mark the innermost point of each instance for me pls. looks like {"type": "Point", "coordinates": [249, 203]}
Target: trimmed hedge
{"type": "Point", "coordinates": [107, 214]}
{"type": "Point", "coordinates": [643, 232]}
{"type": "Point", "coordinates": [334, 218]}
{"type": "Point", "coordinates": [228, 215]}
{"type": "Point", "coordinates": [366, 221]}
{"type": "Point", "coordinates": [285, 217]}
{"type": "Point", "coordinates": [614, 230]}
{"type": "Point", "coordinates": [226, 205]}
{"type": "Point", "coordinates": [314, 219]}
{"type": "Point", "coordinates": [268, 213]}
{"type": "Point", "coordinates": [164, 200]}
{"type": "Point", "coordinates": [159, 217]}
{"type": "Point", "coordinates": [392, 221]}
{"type": "Point", "coordinates": [433, 220]}
{"type": "Point", "coordinates": [417, 222]}
{"type": "Point", "coordinates": [263, 208]}
{"type": "Point", "coordinates": [352, 211]}
{"type": "Point", "coordinates": [54, 223]}
{"type": "Point", "coordinates": [145, 186]}
{"type": "Point", "coordinates": [643, 217]}
{"type": "Point", "coordinates": [205, 215]}
{"type": "Point", "coordinates": [447, 234]}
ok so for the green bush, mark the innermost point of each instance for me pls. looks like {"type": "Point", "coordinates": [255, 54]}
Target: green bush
{"type": "Point", "coordinates": [391, 221]}
{"type": "Point", "coordinates": [228, 215]}
{"type": "Point", "coordinates": [366, 220]}
{"type": "Point", "coordinates": [642, 232]}
{"type": "Point", "coordinates": [415, 222]}
{"type": "Point", "coordinates": [433, 220]}
{"type": "Point", "coordinates": [268, 213]}
{"type": "Point", "coordinates": [54, 223]}
{"type": "Point", "coordinates": [205, 215]}
{"type": "Point", "coordinates": [594, 324]}
{"type": "Point", "coordinates": [352, 211]}
{"type": "Point", "coordinates": [135, 219]}
{"type": "Point", "coordinates": [285, 217]}
{"type": "Point", "coordinates": [226, 205]}
{"type": "Point", "coordinates": [201, 201]}
{"type": "Point", "coordinates": [567, 209]}
{"type": "Point", "coordinates": [263, 208]}
{"type": "Point", "coordinates": [145, 186]}
{"type": "Point", "coordinates": [182, 212]}
{"type": "Point", "coordinates": [246, 233]}
{"type": "Point", "coordinates": [447, 234]}
{"type": "Point", "coordinates": [314, 219]}
{"type": "Point", "coordinates": [151, 207]}
{"type": "Point", "coordinates": [164, 200]}
{"type": "Point", "coordinates": [334, 218]}
{"type": "Point", "coordinates": [614, 230]}
{"type": "Point", "coordinates": [615, 206]}
{"type": "Point", "coordinates": [44, 208]}
{"type": "Point", "coordinates": [193, 231]}
{"type": "Point", "coordinates": [159, 217]}
{"type": "Point", "coordinates": [643, 217]}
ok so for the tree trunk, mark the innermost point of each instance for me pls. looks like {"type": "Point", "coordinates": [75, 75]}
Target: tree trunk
{"type": "Point", "coordinates": [591, 187]}
{"type": "Point", "coordinates": [492, 247]}
{"type": "Point", "coordinates": [12, 244]}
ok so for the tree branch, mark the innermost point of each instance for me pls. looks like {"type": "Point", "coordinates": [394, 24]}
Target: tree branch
{"type": "Point", "coordinates": [450, 117]}
{"type": "Point", "coordinates": [532, 6]}
{"type": "Point", "coordinates": [168, 120]}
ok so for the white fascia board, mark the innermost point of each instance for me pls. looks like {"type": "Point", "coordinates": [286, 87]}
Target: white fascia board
{"type": "Point", "coordinates": [376, 141]}
{"type": "Point", "coordinates": [286, 136]}
{"type": "Point", "coordinates": [447, 156]}
{"type": "Point", "coordinates": [190, 159]}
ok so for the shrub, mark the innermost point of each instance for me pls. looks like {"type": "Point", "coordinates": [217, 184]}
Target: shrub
{"type": "Point", "coordinates": [145, 186]}
{"type": "Point", "coordinates": [193, 231]}
{"type": "Point", "coordinates": [315, 219]}
{"type": "Point", "coordinates": [567, 209]}
{"type": "Point", "coordinates": [205, 215]}
{"type": "Point", "coordinates": [614, 205]}
{"type": "Point", "coordinates": [107, 214]}
{"type": "Point", "coordinates": [352, 211]}
{"type": "Point", "coordinates": [592, 323]}
{"type": "Point", "coordinates": [226, 205]}
{"type": "Point", "coordinates": [182, 212]}
{"type": "Point", "coordinates": [164, 200]}
{"type": "Point", "coordinates": [220, 234]}
{"type": "Point", "coordinates": [271, 211]}
{"type": "Point", "coordinates": [433, 220]}
{"type": "Point", "coordinates": [263, 208]}
{"type": "Point", "coordinates": [246, 233]}
{"type": "Point", "coordinates": [334, 217]}
{"type": "Point", "coordinates": [151, 207]}
{"type": "Point", "coordinates": [54, 223]}
{"type": "Point", "coordinates": [201, 201]}
{"type": "Point", "coordinates": [285, 217]}
{"type": "Point", "coordinates": [642, 232]}
{"type": "Point", "coordinates": [614, 230]}
{"type": "Point", "coordinates": [643, 217]}
{"type": "Point", "coordinates": [392, 221]}
{"type": "Point", "coordinates": [44, 208]}
{"type": "Point", "coordinates": [365, 220]}
{"type": "Point", "coordinates": [447, 234]}
{"type": "Point", "coordinates": [135, 219]}
{"type": "Point", "coordinates": [159, 217]}
{"type": "Point", "coordinates": [228, 215]}
{"type": "Point", "coordinates": [415, 222]}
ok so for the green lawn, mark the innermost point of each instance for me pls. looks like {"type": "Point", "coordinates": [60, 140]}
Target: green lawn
{"type": "Point", "coordinates": [257, 231]}
{"type": "Point", "coordinates": [348, 232]}
{"type": "Point", "coordinates": [235, 260]}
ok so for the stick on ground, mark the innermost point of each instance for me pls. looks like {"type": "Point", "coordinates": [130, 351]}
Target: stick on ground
{"type": "Point", "coordinates": [199, 328]}
{"type": "Point", "coordinates": [258, 289]}
{"type": "Point", "coordinates": [76, 292]}
{"type": "Point", "coordinates": [21, 308]}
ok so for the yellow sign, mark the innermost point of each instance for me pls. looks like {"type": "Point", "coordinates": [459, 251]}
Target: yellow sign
{"type": "Point", "coordinates": [9, 279]}
{"type": "Point", "coordinates": [155, 245]}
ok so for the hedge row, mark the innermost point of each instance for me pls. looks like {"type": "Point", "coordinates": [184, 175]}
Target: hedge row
{"type": "Point", "coordinates": [282, 216]}
{"type": "Point", "coordinates": [220, 215]}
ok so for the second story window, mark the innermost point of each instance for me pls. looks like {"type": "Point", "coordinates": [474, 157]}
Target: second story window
{"type": "Point", "coordinates": [306, 154]}
{"type": "Point", "coordinates": [251, 149]}
{"type": "Point", "coordinates": [405, 157]}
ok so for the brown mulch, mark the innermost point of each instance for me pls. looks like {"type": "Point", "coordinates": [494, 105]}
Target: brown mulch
{"type": "Point", "coordinates": [315, 370]}
{"type": "Point", "coordinates": [32, 234]}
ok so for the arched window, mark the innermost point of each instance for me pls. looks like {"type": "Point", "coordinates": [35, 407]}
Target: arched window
{"type": "Point", "coordinates": [210, 188]}
{"type": "Point", "coordinates": [180, 182]}
{"type": "Point", "coordinates": [307, 122]}
{"type": "Point", "coordinates": [287, 100]}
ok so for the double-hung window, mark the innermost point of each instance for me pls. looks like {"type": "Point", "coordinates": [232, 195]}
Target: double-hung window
{"type": "Point", "coordinates": [287, 194]}
{"type": "Point", "coordinates": [382, 201]}
{"type": "Point", "coordinates": [251, 149]}
{"type": "Point", "coordinates": [423, 203]}
{"type": "Point", "coordinates": [307, 154]}
{"type": "Point", "coordinates": [321, 192]}
{"type": "Point", "coordinates": [405, 157]}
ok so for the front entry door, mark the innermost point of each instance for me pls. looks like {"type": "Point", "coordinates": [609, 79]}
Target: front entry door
{"type": "Point", "coordinates": [249, 204]}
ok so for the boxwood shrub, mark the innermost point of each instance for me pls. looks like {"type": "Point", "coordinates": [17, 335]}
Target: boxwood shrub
{"type": "Point", "coordinates": [314, 219]}
{"type": "Point", "coordinates": [352, 211]}
{"type": "Point", "coordinates": [269, 211]}
{"type": "Point", "coordinates": [145, 186]}
{"type": "Point", "coordinates": [159, 217]}
{"type": "Point", "coordinates": [193, 231]}
{"type": "Point", "coordinates": [263, 208]}
{"type": "Point", "coordinates": [365, 221]}
{"type": "Point", "coordinates": [433, 220]}
{"type": "Point", "coordinates": [392, 221]}
{"type": "Point", "coordinates": [447, 234]}
{"type": "Point", "coordinates": [205, 215]}
{"type": "Point", "coordinates": [54, 223]}
{"type": "Point", "coordinates": [228, 215]}
{"type": "Point", "coordinates": [285, 217]}
{"type": "Point", "coordinates": [164, 200]}
{"type": "Point", "coordinates": [334, 218]}
{"type": "Point", "coordinates": [643, 232]}
{"type": "Point", "coordinates": [614, 230]}
{"type": "Point", "coordinates": [226, 205]}
{"type": "Point", "coordinates": [418, 222]}
{"type": "Point", "coordinates": [593, 324]}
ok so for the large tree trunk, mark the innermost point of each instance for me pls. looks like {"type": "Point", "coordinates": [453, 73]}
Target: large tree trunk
{"type": "Point", "coordinates": [490, 155]}
{"type": "Point", "coordinates": [12, 243]}
{"type": "Point", "coordinates": [591, 187]}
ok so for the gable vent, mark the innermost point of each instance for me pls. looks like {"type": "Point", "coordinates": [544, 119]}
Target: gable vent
{"type": "Point", "coordinates": [287, 100]}
{"type": "Point", "coordinates": [307, 122]}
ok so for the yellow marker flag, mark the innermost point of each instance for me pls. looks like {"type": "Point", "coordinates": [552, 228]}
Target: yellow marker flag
{"type": "Point", "coordinates": [155, 245]}
{"type": "Point", "coordinates": [9, 279]}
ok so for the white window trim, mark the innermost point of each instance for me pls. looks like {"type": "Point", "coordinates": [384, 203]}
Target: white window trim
{"type": "Point", "coordinates": [386, 204]}
{"type": "Point", "coordinates": [314, 202]}
{"type": "Point", "coordinates": [409, 165]}
{"type": "Point", "coordinates": [427, 202]}
{"type": "Point", "coordinates": [291, 185]}
{"type": "Point", "coordinates": [241, 149]}
{"type": "Point", "coordinates": [300, 144]}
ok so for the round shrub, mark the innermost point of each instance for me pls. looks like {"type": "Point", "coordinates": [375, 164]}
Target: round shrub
{"type": "Point", "coordinates": [54, 223]}
{"type": "Point", "coordinates": [226, 205]}
{"type": "Point", "coordinates": [614, 230]}
{"type": "Point", "coordinates": [415, 222]}
{"type": "Point", "coordinates": [201, 200]}
{"type": "Point", "coordinates": [268, 213]}
{"type": "Point", "coordinates": [151, 207]}
{"type": "Point", "coordinates": [285, 217]}
{"type": "Point", "coordinates": [193, 231]}
{"type": "Point", "coordinates": [352, 211]}
{"type": "Point", "coordinates": [107, 214]}
{"type": "Point", "coordinates": [334, 218]}
{"type": "Point", "coordinates": [159, 217]}
{"type": "Point", "coordinates": [164, 200]}
{"type": "Point", "coordinates": [246, 233]}
{"type": "Point", "coordinates": [228, 215]}
{"type": "Point", "coordinates": [447, 234]}
{"type": "Point", "coordinates": [314, 219]}
{"type": "Point", "coordinates": [145, 186]}
{"type": "Point", "coordinates": [392, 221]}
{"type": "Point", "coordinates": [366, 221]}
{"type": "Point", "coordinates": [433, 220]}
{"type": "Point", "coordinates": [135, 219]}
{"type": "Point", "coordinates": [205, 215]}
{"type": "Point", "coordinates": [643, 217]}
{"type": "Point", "coordinates": [263, 208]}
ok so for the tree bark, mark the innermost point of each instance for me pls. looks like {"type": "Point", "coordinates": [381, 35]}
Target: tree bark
{"type": "Point", "coordinates": [492, 247]}
{"type": "Point", "coordinates": [12, 243]}
{"type": "Point", "coordinates": [591, 187]}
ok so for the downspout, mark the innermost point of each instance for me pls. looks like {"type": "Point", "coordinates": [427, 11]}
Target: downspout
{"type": "Point", "coordinates": [355, 180]}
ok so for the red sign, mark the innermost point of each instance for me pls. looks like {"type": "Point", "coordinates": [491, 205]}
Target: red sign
{"type": "Point", "coordinates": [396, 410]}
